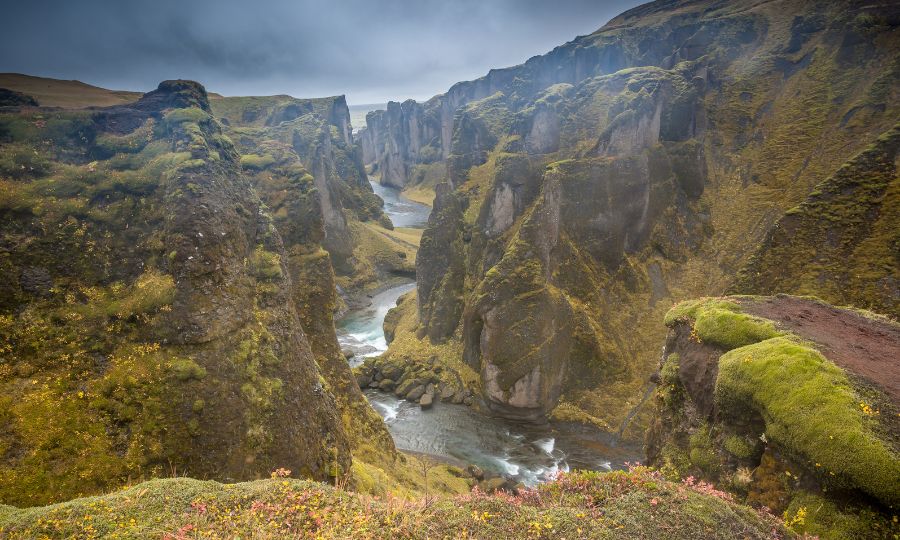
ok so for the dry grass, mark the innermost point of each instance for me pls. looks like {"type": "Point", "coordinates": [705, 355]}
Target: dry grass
{"type": "Point", "coordinates": [65, 94]}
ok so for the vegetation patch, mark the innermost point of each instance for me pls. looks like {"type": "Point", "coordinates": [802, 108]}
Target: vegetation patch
{"type": "Point", "coordinates": [721, 323]}
{"type": "Point", "coordinates": [633, 504]}
{"type": "Point", "coordinates": [811, 409]}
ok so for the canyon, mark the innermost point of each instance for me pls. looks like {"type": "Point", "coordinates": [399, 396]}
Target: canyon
{"type": "Point", "coordinates": [675, 240]}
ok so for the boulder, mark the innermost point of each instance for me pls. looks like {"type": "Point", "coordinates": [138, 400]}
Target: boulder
{"type": "Point", "coordinates": [416, 393]}
{"type": "Point", "coordinates": [475, 472]}
{"type": "Point", "coordinates": [447, 392]}
{"type": "Point", "coordinates": [387, 385]}
{"type": "Point", "coordinates": [392, 371]}
{"type": "Point", "coordinates": [426, 401]}
{"type": "Point", "coordinates": [407, 385]}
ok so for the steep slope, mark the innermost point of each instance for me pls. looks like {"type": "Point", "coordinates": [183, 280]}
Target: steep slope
{"type": "Point", "coordinates": [277, 137]}
{"type": "Point", "coordinates": [588, 189]}
{"type": "Point", "coordinates": [317, 134]}
{"type": "Point", "coordinates": [149, 307]}
{"type": "Point", "coordinates": [789, 403]}
{"type": "Point", "coordinates": [843, 242]}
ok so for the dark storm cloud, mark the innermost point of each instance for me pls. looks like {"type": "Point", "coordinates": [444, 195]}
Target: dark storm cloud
{"type": "Point", "coordinates": [370, 50]}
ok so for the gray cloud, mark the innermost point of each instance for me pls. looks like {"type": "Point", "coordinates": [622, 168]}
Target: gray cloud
{"type": "Point", "coordinates": [370, 50]}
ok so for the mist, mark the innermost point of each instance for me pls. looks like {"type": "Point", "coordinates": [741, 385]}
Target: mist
{"type": "Point", "coordinates": [371, 51]}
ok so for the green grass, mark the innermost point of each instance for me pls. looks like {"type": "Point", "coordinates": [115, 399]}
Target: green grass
{"type": "Point", "coordinates": [182, 116]}
{"type": "Point", "coordinates": [256, 162]}
{"type": "Point", "coordinates": [810, 408]}
{"type": "Point", "coordinates": [636, 504]}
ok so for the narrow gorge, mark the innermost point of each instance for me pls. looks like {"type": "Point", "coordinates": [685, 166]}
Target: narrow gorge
{"type": "Point", "coordinates": [643, 285]}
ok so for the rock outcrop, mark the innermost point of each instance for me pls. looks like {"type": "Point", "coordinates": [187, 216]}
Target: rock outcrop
{"type": "Point", "coordinates": [587, 189]}
{"type": "Point", "coordinates": [788, 402]}
{"type": "Point", "coordinates": [284, 135]}
{"type": "Point", "coordinates": [156, 315]}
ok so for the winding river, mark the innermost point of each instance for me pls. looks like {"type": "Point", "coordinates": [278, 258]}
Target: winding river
{"type": "Point", "coordinates": [526, 453]}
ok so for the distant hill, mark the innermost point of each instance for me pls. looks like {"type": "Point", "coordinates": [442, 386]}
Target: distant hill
{"type": "Point", "coordinates": [66, 94]}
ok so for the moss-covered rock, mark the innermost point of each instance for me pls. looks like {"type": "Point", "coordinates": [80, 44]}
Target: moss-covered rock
{"type": "Point", "coordinates": [756, 407]}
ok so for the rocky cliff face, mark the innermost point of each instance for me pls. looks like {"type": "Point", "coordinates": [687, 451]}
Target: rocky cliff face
{"type": "Point", "coordinates": [314, 134]}
{"type": "Point", "coordinates": [314, 213]}
{"type": "Point", "coordinates": [396, 139]}
{"type": "Point", "coordinates": [589, 188]}
{"type": "Point", "coordinates": [157, 316]}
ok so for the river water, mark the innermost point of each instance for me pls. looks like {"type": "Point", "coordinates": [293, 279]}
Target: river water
{"type": "Point", "coordinates": [402, 211]}
{"type": "Point", "coordinates": [527, 453]}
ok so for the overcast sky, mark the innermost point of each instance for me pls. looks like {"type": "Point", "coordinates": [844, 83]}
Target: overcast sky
{"type": "Point", "coordinates": [370, 50]}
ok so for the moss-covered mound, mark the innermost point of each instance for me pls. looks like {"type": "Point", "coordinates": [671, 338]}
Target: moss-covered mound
{"type": "Point", "coordinates": [758, 395]}
{"type": "Point", "coordinates": [636, 504]}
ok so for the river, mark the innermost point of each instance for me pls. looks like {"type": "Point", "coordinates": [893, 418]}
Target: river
{"type": "Point", "coordinates": [527, 453]}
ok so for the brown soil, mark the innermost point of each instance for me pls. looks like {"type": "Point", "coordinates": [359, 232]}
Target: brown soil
{"type": "Point", "coordinates": [864, 346]}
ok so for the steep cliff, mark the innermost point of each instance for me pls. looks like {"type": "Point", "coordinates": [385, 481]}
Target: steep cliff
{"type": "Point", "coordinates": [588, 189]}
{"type": "Point", "coordinates": [155, 317]}
{"type": "Point", "coordinates": [275, 147]}
{"type": "Point", "coordinates": [316, 134]}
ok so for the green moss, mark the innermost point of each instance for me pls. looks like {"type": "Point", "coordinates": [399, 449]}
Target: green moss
{"type": "Point", "coordinates": [670, 389]}
{"type": "Point", "coordinates": [186, 369]}
{"type": "Point", "coordinates": [265, 264]}
{"type": "Point", "coordinates": [811, 409]}
{"type": "Point", "coordinates": [256, 162]}
{"type": "Point", "coordinates": [187, 115]}
{"type": "Point", "coordinates": [151, 291]}
{"type": "Point", "coordinates": [738, 446]}
{"type": "Point", "coordinates": [815, 515]}
{"type": "Point", "coordinates": [721, 323]}
{"type": "Point", "coordinates": [108, 144]}
{"type": "Point", "coordinates": [702, 451]}
{"type": "Point", "coordinates": [731, 330]}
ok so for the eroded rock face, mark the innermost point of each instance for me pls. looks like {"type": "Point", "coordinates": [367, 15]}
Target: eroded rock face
{"type": "Point", "coordinates": [397, 138]}
{"type": "Point", "coordinates": [589, 187]}
{"type": "Point", "coordinates": [308, 174]}
{"type": "Point", "coordinates": [189, 351]}
{"type": "Point", "coordinates": [439, 275]}
{"type": "Point", "coordinates": [318, 132]}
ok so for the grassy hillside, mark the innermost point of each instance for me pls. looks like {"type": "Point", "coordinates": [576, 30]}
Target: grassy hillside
{"type": "Point", "coordinates": [636, 504]}
{"type": "Point", "coordinates": [65, 94]}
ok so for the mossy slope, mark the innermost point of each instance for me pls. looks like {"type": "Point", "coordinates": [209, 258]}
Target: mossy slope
{"type": "Point", "coordinates": [759, 409]}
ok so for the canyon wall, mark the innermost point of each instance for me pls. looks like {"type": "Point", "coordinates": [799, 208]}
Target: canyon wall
{"type": "Point", "coordinates": [162, 305]}
{"type": "Point", "coordinates": [585, 191]}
